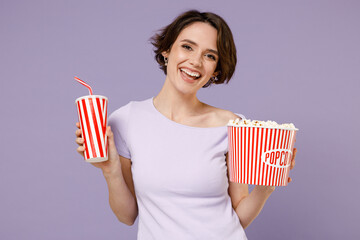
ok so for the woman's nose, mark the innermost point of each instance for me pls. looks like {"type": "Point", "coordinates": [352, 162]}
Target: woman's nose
{"type": "Point", "coordinates": [196, 60]}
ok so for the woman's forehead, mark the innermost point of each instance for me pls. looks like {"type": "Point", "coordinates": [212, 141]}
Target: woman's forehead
{"type": "Point", "coordinates": [201, 33]}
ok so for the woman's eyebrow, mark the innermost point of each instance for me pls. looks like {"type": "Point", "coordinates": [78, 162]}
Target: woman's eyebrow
{"type": "Point", "coordinates": [195, 44]}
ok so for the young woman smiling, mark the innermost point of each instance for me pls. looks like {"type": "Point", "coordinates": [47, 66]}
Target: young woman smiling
{"type": "Point", "coordinates": [168, 154]}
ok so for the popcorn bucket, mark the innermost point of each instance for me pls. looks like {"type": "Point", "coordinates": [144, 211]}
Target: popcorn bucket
{"type": "Point", "coordinates": [92, 112]}
{"type": "Point", "coordinates": [260, 155]}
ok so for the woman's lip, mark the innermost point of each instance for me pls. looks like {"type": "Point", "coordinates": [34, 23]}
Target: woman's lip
{"type": "Point", "coordinates": [191, 70]}
{"type": "Point", "coordinates": [184, 76]}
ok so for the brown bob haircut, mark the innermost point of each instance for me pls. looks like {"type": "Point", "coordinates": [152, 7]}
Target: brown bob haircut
{"type": "Point", "coordinates": [164, 39]}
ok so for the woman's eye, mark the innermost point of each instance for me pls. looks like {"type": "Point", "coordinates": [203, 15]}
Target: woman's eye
{"type": "Point", "coordinates": [211, 57]}
{"type": "Point", "coordinates": [186, 47]}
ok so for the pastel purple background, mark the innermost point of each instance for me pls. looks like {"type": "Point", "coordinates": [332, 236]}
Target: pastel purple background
{"type": "Point", "coordinates": [298, 61]}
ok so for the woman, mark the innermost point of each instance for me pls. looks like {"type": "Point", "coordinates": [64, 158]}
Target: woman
{"type": "Point", "coordinates": [168, 154]}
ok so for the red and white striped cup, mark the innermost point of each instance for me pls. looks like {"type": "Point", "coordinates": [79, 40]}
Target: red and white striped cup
{"type": "Point", "coordinates": [260, 155]}
{"type": "Point", "coordinates": [92, 112]}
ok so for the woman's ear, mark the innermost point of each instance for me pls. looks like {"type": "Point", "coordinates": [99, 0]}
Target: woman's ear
{"type": "Point", "coordinates": [165, 54]}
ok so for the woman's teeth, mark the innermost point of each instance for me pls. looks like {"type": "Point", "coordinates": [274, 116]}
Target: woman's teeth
{"type": "Point", "coordinates": [192, 74]}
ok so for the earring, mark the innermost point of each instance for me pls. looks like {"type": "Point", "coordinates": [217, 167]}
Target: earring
{"type": "Point", "coordinates": [166, 61]}
{"type": "Point", "coordinates": [213, 79]}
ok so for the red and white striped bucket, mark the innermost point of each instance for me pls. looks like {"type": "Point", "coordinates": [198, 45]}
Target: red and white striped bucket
{"type": "Point", "coordinates": [260, 155]}
{"type": "Point", "coordinates": [92, 112]}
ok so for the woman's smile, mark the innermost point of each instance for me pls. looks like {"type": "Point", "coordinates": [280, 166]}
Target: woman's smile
{"type": "Point", "coordinates": [188, 75]}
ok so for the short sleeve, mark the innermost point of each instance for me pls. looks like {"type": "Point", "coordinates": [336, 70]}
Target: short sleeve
{"type": "Point", "coordinates": [118, 121]}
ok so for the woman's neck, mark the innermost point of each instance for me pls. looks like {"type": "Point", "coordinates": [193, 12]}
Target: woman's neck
{"type": "Point", "coordinates": [176, 105]}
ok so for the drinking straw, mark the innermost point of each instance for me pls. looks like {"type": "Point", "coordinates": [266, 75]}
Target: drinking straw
{"type": "Point", "coordinates": [85, 84]}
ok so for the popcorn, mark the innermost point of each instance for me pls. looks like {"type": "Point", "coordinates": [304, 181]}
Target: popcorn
{"type": "Point", "coordinates": [256, 123]}
{"type": "Point", "coordinates": [260, 152]}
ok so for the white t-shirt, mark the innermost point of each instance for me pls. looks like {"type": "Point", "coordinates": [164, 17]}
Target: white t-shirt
{"type": "Point", "coordinates": [179, 173]}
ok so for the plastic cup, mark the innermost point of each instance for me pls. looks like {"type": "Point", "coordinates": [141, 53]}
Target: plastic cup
{"type": "Point", "coordinates": [260, 155]}
{"type": "Point", "coordinates": [92, 113]}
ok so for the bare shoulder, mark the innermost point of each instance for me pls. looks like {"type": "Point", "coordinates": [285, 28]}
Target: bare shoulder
{"type": "Point", "coordinates": [220, 117]}
{"type": "Point", "coordinates": [229, 115]}
{"type": "Point", "coordinates": [226, 115]}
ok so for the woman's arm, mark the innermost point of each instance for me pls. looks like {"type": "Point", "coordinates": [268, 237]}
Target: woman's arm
{"type": "Point", "coordinates": [248, 206]}
{"type": "Point", "coordinates": [122, 197]}
{"type": "Point", "coordinates": [117, 173]}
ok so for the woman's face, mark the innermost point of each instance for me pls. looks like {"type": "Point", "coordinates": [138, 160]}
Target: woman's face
{"type": "Point", "coordinates": [193, 57]}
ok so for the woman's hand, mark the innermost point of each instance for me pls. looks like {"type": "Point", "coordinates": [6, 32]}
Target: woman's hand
{"type": "Point", "coordinates": [270, 189]}
{"type": "Point", "coordinates": [112, 165]}
{"type": "Point", "coordinates": [292, 164]}
{"type": "Point", "coordinates": [248, 206]}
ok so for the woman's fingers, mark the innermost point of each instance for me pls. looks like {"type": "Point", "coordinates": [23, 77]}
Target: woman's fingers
{"type": "Point", "coordinates": [81, 150]}
{"type": "Point", "coordinates": [292, 164]}
{"type": "Point", "coordinates": [79, 141]}
{"type": "Point", "coordinates": [78, 133]}
{"type": "Point", "coordinates": [294, 153]}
